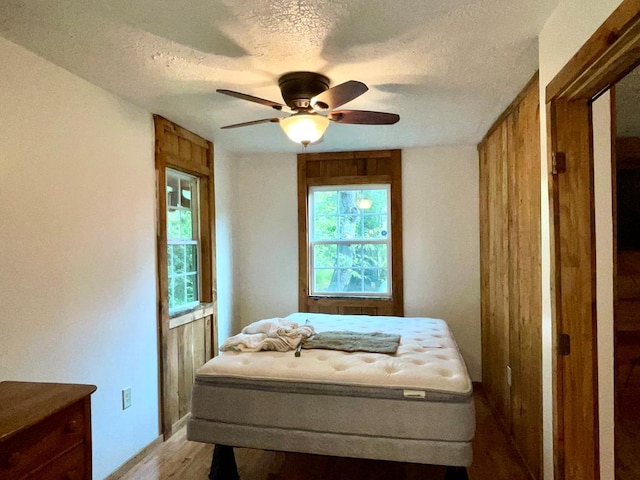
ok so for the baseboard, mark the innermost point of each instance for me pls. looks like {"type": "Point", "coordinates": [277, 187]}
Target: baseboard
{"type": "Point", "coordinates": [133, 461]}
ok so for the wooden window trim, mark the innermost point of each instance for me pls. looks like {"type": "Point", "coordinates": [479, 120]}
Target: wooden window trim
{"type": "Point", "coordinates": [200, 166]}
{"type": "Point", "coordinates": [351, 168]}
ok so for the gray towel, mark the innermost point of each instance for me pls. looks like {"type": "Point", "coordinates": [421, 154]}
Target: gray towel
{"type": "Point", "coordinates": [375, 342]}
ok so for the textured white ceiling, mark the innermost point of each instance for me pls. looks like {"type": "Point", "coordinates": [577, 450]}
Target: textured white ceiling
{"type": "Point", "coordinates": [448, 67]}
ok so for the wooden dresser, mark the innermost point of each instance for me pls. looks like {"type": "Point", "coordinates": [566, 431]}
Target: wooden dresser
{"type": "Point", "coordinates": [45, 431]}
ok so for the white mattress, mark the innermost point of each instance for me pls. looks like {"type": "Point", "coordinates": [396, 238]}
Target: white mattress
{"type": "Point", "coordinates": [415, 406]}
{"type": "Point", "coordinates": [427, 360]}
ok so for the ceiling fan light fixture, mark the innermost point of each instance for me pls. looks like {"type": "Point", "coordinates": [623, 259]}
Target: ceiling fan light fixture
{"type": "Point", "coordinates": [304, 128]}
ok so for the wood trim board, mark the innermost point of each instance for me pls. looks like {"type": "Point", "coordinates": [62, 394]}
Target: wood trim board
{"type": "Point", "coordinates": [603, 60]}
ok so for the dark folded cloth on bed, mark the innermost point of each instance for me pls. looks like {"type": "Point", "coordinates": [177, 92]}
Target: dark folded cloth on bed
{"type": "Point", "coordinates": [375, 342]}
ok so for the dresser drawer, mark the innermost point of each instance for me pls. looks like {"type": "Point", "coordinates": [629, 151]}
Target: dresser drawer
{"type": "Point", "coordinates": [27, 450]}
{"type": "Point", "coordinates": [70, 466]}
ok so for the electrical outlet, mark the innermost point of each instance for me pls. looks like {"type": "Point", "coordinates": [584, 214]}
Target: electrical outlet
{"type": "Point", "coordinates": [126, 397]}
{"type": "Point", "coordinates": [508, 375]}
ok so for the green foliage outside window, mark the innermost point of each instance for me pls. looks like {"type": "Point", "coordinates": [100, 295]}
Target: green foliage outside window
{"type": "Point", "coordinates": [350, 241]}
{"type": "Point", "coordinates": [182, 241]}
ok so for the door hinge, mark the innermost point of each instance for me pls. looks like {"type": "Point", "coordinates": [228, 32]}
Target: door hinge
{"type": "Point", "coordinates": [564, 344]}
{"type": "Point", "coordinates": [558, 163]}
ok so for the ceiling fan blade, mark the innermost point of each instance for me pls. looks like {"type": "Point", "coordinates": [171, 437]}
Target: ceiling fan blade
{"type": "Point", "coordinates": [251, 98]}
{"type": "Point", "coordinates": [363, 117]}
{"type": "Point", "coordinates": [338, 95]}
{"type": "Point", "coordinates": [254, 122]}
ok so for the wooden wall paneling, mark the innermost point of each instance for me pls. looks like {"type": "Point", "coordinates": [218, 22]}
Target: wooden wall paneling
{"type": "Point", "coordinates": [526, 337]}
{"type": "Point", "coordinates": [395, 170]}
{"type": "Point", "coordinates": [305, 168]}
{"type": "Point", "coordinates": [509, 157]}
{"type": "Point", "coordinates": [494, 357]}
{"type": "Point", "coordinates": [171, 413]}
{"type": "Point", "coordinates": [485, 232]}
{"type": "Point", "coordinates": [209, 346]}
{"type": "Point", "coordinates": [490, 357]}
{"type": "Point", "coordinates": [185, 365]}
{"type": "Point", "coordinates": [500, 257]}
{"type": "Point", "coordinates": [512, 256]}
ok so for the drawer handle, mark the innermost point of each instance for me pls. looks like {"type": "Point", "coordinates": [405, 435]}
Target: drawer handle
{"type": "Point", "coordinates": [71, 427]}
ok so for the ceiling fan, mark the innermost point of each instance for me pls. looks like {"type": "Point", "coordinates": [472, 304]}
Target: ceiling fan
{"type": "Point", "coordinates": [311, 103]}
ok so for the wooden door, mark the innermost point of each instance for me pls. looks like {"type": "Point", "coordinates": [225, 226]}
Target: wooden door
{"type": "Point", "coordinates": [610, 53]}
{"type": "Point", "coordinates": [187, 339]}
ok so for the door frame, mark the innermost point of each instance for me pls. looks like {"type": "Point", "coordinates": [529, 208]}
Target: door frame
{"type": "Point", "coordinates": [610, 54]}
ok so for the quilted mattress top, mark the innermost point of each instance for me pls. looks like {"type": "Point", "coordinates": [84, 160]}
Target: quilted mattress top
{"type": "Point", "coordinates": [427, 360]}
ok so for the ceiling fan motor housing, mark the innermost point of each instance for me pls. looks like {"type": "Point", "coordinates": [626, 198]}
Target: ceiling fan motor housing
{"type": "Point", "coordinates": [299, 87]}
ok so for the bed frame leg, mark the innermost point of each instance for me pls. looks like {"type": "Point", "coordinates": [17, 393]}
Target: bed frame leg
{"type": "Point", "coordinates": [223, 464]}
{"type": "Point", "coordinates": [456, 473]}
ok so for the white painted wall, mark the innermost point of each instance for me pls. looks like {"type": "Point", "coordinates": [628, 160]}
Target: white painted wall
{"type": "Point", "coordinates": [568, 28]}
{"type": "Point", "coordinates": [77, 262]}
{"type": "Point", "coordinates": [225, 191]}
{"type": "Point", "coordinates": [266, 244]}
{"type": "Point", "coordinates": [440, 239]}
{"type": "Point", "coordinates": [441, 242]}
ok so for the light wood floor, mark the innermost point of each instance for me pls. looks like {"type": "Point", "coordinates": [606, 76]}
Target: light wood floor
{"type": "Point", "coordinates": [178, 458]}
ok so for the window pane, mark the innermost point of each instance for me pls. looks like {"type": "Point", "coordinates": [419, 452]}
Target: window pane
{"type": "Point", "coordinates": [337, 280]}
{"type": "Point", "coordinates": [324, 255]}
{"type": "Point", "coordinates": [375, 280]}
{"type": "Point", "coordinates": [177, 254]}
{"type": "Point", "coordinates": [325, 202]}
{"type": "Point", "coordinates": [172, 189]}
{"type": "Point", "coordinates": [375, 226]}
{"type": "Point", "coordinates": [172, 297]}
{"type": "Point", "coordinates": [351, 281]}
{"type": "Point", "coordinates": [191, 264]}
{"type": "Point", "coordinates": [325, 228]}
{"type": "Point", "coordinates": [180, 291]}
{"type": "Point", "coordinates": [192, 288]}
{"type": "Point", "coordinates": [173, 223]}
{"type": "Point", "coordinates": [350, 227]}
{"type": "Point", "coordinates": [349, 214]}
{"type": "Point", "coordinates": [349, 255]}
{"type": "Point", "coordinates": [323, 278]}
{"type": "Point", "coordinates": [347, 200]}
{"type": "Point", "coordinates": [374, 255]}
{"type": "Point", "coordinates": [186, 224]}
{"type": "Point", "coordinates": [186, 191]}
{"type": "Point", "coordinates": [170, 268]}
{"type": "Point", "coordinates": [378, 200]}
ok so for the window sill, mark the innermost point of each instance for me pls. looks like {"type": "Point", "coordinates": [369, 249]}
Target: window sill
{"type": "Point", "coordinates": [191, 315]}
{"type": "Point", "coordinates": [350, 297]}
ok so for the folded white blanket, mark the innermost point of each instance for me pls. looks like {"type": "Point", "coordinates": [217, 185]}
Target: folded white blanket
{"type": "Point", "coordinates": [269, 334]}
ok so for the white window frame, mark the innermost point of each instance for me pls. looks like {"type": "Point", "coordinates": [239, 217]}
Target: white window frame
{"type": "Point", "coordinates": [383, 241]}
{"type": "Point", "coordinates": [195, 240]}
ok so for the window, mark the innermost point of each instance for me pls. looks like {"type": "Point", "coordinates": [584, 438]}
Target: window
{"type": "Point", "coordinates": [183, 248]}
{"type": "Point", "coordinates": [186, 264]}
{"type": "Point", "coordinates": [349, 240]}
{"type": "Point", "coordinates": [350, 232]}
